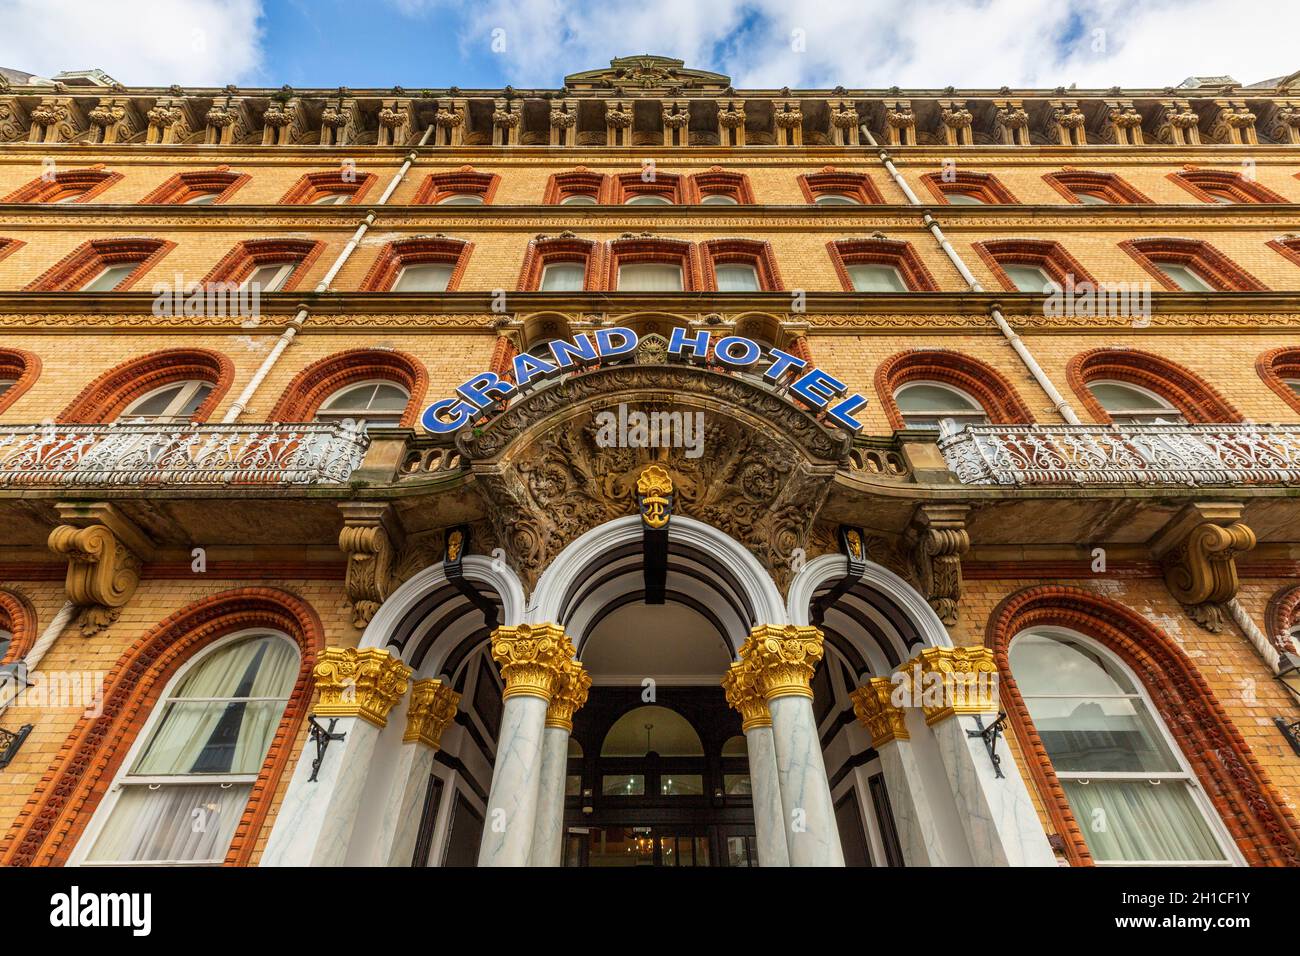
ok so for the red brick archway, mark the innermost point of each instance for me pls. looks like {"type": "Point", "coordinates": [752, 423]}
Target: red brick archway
{"type": "Point", "coordinates": [19, 618]}
{"type": "Point", "coordinates": [1274, 367]}
{"type": "Point", "coordinates": [1184, 389]}
{"type": "Point", "coordinates": [318, 381]}
{"type": "Point", "coordinates": [1262, 826]}
{"type": "Point", "coordinates": [982, 382]}
{"type": "Point", "coordinates": [56, 814]}
{"type": "Point", "coordinates": [23, 367]}
{"type": "Point", "coordinates": [105, 398]}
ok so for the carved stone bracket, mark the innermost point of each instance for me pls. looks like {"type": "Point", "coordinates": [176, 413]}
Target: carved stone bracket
{"type": "Point", "coordinates": [370, 538]}
{"type": "Point", "coordinates": [105, 552]}
{"type": "Point", "coordinates": [935, 542]}
{"type": "Point", "coordinates": [57, 119]}
{"type": "Point", "coordinates": [1197, 551]}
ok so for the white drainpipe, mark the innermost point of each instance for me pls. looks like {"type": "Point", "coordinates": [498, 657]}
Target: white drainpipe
{"type": "Point", "coordinates": [1063, 407]}
{"type": "Point", "coordinates": [287, 336]}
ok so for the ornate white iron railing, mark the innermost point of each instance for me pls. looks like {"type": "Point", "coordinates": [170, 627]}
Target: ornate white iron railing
{"type": "Point", "coordinates": [1124, 454]}
{"type": "Point", "coordinates": [186, 454]}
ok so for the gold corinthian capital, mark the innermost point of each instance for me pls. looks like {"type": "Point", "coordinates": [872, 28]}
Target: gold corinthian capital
{"type": "Point", "coordinates": [532, 658]}
{"type": "Point", "coordinates": [570, 695]}
{"type": "Point", "coordinates": [359, 683]}
{"type": "Point", "coordinates": [783, 659]}
{"type": "Point", "coordinates": [432, 707]}
{"type": "Point", "coordinates": [956, 680]}
{"type": "Point", "coordinates": [875, 710]}
{"type": "Point", "coordinates": [742, 694]}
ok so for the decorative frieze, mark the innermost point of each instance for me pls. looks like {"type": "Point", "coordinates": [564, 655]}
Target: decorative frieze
{"type": "Point", "coordinates": [364, 683]}
{"type": "Point", "coordinates": [431, 709]}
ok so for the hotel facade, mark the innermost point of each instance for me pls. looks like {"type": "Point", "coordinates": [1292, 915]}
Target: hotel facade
{"type": "Point", "coordinates": [649, 472]}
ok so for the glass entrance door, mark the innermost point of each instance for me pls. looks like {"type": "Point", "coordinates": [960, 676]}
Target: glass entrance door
{"type": "Point", "coordinates": [660, 845]}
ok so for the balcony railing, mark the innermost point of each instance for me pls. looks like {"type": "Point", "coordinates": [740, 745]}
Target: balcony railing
{"type": "Point", "coordinates": [1124, 455]}
{"type": "Point", "coordinates": [171, 454]}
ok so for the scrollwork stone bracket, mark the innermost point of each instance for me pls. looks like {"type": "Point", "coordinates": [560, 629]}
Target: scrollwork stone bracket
{"type": "Point", "coordinates": [105, 552]}
{"type": "Point", "coordinates": [935, 543]}
{"type": "Point", "coordinates": [1197, 551]}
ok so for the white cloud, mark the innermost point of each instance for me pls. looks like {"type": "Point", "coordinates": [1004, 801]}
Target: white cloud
{"type": "Point", "coordinates": [880, 43]}
{"type": "Point", "coordinates": [138, 42]}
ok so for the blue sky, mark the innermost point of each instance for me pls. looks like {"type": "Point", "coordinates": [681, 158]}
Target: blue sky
{"type": "Point", "coordinates": [800, 43]}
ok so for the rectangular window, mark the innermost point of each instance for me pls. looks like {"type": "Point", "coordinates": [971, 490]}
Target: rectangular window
{"type": "Point", "coordinates": [563, 277]}
{"type": "Point", "coordinates": [875, 277]}
{"type": "Point", "coordinates": [650, 277]}
{"type": "Point", "coordinates": [110, 278]}
{"type": "Point", "coordinates": [681, 785]}
{"type": "Point", "coordinates": [423, 277]}
{"type": "Point", "coordinates": [622, 785]}
{"type": "Point", "coordinates": [1184, 277]}
{"type": "Point", "coordinates": [737, 278]}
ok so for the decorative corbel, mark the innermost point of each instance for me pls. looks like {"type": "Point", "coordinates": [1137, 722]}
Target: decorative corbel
{"type": "Point", "coordinates": [900, 122]}
{"type": "Point", "coordinates": [1066, 123]}
{"type": "Point", "coordinates": [787, 119]}
{"type": "Point", "coordinates": [115, 120]}
{"type": "Point", "coordinates": [1234, 124]}
{"type": "Point", "coordinates": [229, 122]}
{"type": "Point", "coordinates": [397, 123]}
{"type": "Point", "coordinates": [935, 542]}
{"type": "Point", "coordinates": [172, 120]}
{"type": "Point", "coordinates": [1197, 550]}
{"type": "Point", "coordinates": [618, 123]}
{"type": "Point", "coordinates": [340, 122]}
{"type": "Point", "coordinates": [677, 122]}
{"type": "Point", "coordinates": [105, 552]}
{"type": "Point", "coordinates": [955, 122]}
{"type": "Point", "coordinates": [1011, 122]}
{"type": "Point", "coordinates": [506, 117]}
{"type": "Point", "coordinates": [57, 119]}
{"type": "Point", "coordinates": [844, 122]}
{"type": "Point", "coordinates": [371, 539]}
{"type": "Point", "coordinates": [1179, 126]}
{"type": "Point", "coordinates": [564, 122]}
{"type": "Point", "coordinates": [1282, 122]}
{"type": "Point", "coordinates": [14, 121]}
{"type": "Point", "coordinates": [284, 122]}
{"type": "Point", "coordinates": [1123, 123]}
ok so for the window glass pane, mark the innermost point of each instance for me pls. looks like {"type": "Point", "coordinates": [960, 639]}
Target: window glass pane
{"type": "Point", "coordinates": [718, 199]}
{"type": "Point", "coordinates": [623, 785]}
{"type": "Point", "coordinates": [191, 824]}
{"type": "Point", "coordinates": [836, 199]}
{"type": "Point", "coordinates": [8, 383]}
{"type": "Point", "coordinates": [563, 277]}
{"type": "Point", "coordinates": [110, 278]}
{"type": "Point", "coordinates": [1100, 734]}
{"type": "Point", "coordinates": [735, 747]}
{"type": "Point", "coordinates": [737, 278]}
{"type": "Point", "coordinates": [578, 199]}
{"type": "Point", "coordinates": [1136, 820]}
{"type": "Point", "coordinates": [366, 397]}
{"type": "Point", "coordinates": [69, 197]}
{"type": "Point", "coordinates": [331, 199]}
{"type": "Point", "coordinates": [1030, 278]}
{"type": "Point", "coordinates": [462, 199]}
{"type": "Point", "coordinates": [737, 784]}
{"type": "Point", "coordinates": [1291, 383]}
{"type": "Point", "coordinates": [157, 402]}
{"type": "Point", "coordinates": [648, 199]}
{"type": "Point", "coordinates": [1115, 397]}
{"type": "Point", "coordinates": [270, 276]}
{"type": "Point", "coordinates": [423, 277]}
{"type": "Point", "coordinates": [650, 277]}
{"type": "Point", "coordinates": [681, 785]}
{"type": "Point", "coordinates": [573, 785]}
{"type": "Point", "coordinates": [202, 199]}
{"type": "Point", "coordinates": [1088, 199]}
{"type": "Point", "coordinates": [876, 277]}
{"type": "Point", "coordinates": [1048, 664]}
{"type": "Point", "coordinates": [964, 199]}
{"type": "Point", "coordinates": [924, 397]}
{"type": "Point", "coordinates": [6, 638]}
{"type": "Point", "coordinates": [1184, 277]}
{"type": "Point", "coordinates": [652, 729]}
{"type": "Point", "coordinates": [1223, 198]}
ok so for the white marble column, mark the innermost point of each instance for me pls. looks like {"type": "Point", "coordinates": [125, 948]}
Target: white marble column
{"type": "Point", "coordinates": [548, 836]}
{"type": "Point", "coordinates": [1001, 825]}
{"type": "Point", "coordinates": [432, 707]}
{"type": "Point", "coordinates": [784, 659]}
{"type": "Point", "coordinates": [765, 788]}
{"type": "Point", "coordinates": [532, 660]}
{"type": "Point", "coordinates": [316, 818]}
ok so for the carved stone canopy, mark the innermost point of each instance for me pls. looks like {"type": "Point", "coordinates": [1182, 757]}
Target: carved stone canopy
{"type": "Point", "coordinates": [566, 458]}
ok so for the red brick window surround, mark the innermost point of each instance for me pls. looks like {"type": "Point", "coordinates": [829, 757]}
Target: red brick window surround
{"type": "Point", "coordinates": [981, 382]}
{"type": "Point", "coordinates": [18, 370]}
{"type": "Point", "coordinates": [201, 187]}
{"type": "Point", "coordinates": [446, 188]}
{"type": "Point", "coordinates": [562, 250]}
{"type": "Point", "coordinates": [1190, 394]}
{"type": "Point", "coordinates": [1288, 246]}
{"type": "Point", "coordinates": [10, 246]}
{"type": "Point", "coordinates": [241, 262]}
{"type": "Point", "coordinates": [986, 188]}
{"type": "Point", "coordinates": [109, 395]}
{"type": "Point", "coordinates": [1279, 368]}
{"type": "Point", "coordinates": [719, 186]}
{"type": "Point", "coordinates": [55, 817]}
{"type": "Point", "coordinates": [94, 258]}
{"type": "Point", "coordinates": [625, 187]}
{"type": "Point", "coordinates": [846, 253]}
{"type": "Point", "coordinates": [67, 186]}
{"type": "Point", "coordinates": [579, 187]}
{"type": "Point", "coordinates": [317, 382]}
{"type": "Point", "coordinates": [1282, 616]}
{"type": "Point", "coordinates": [754, 254]}
{"type": "Point", "coordinates": [18, 618]}
{"type": "Point", "coordinates": [342, 186]}
{"type": "Point", "coordinates": [1208, 263]}
{"type": "Point", "coordinates": [831, 182]}
{"type": "Point", "coordinates": [397, 255]}
{"type": "Point", "coordinates": [677, 252]}
{"type": "Point", "coordinates": [1262, 826]}
{"type": "Point", "coordinates": [1106, 188]}
{"type": "Point", "coordinates": [1223, 186]}
{"type": "Point", "coordinates": [1051, 257]}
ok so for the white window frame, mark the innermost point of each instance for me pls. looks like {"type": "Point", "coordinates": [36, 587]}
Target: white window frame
{"type": "Point", "coordinates": [541, 279]}
{"type": "Point", "coordinates": [172, 412]}
{"type": "Point", "coordinates": [281, 276]}
{"type": "Point", "coordinates": [979, 416]}
{"type": "Point", "coordinates": [579, 199]}
{"type": "Point", "coordinates": [129, 266]}
{"type": "Point", "coordinates": [836, 199]}
{"type": "Point", "coordinates": [1163, 264]}
{"type": "Point", "coordinates": [964, 198]}
{"type": "Point", "coordinates": [462, 199]}
{"type": "Point", "coordinates": [324, 414]}
{"type": "Point", "coordinates": [898, 273]}
{"type": "Point", "coordinates": [1125, 416]}
{"type": "Point", "coordinates": [104, 811]}
{"type": "Point", "coordinates": [1214, 822]}
{"type": "Point", "coordinates": [647, 199]}
{"type": "Point", "coordinates": [451, 271]}
{"type": "Point", "coordinates": [1047, 282]}
{"type": "Point", "coordinates": [205, 198]}
{"type": "Point", "coordinates": [719, 199]}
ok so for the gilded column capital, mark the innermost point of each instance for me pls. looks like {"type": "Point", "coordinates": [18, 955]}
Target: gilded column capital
{"type": "Point", "coordinates": [742, 694]}
{"type": "Point", "coordinates": [532, 658]}
{"type": "Point", "coordinates": [432, 707]}
{"type": "Point", "coordinates": [875, 709]}
{"type": "Point", "coordinates": [570, 694]}
{"type": "Point", "coordinates": [955, 680]}
{"type": "Point", "coordinates": [783, 659]}
{"type": "Point", "coordinates": [362, 683]}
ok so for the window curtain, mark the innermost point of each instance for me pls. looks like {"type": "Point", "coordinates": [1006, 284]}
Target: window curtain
{"type": "Point", "coordinates": [651, 277]}
{"type": "Point", "coordinates": [177, 822]}
{"type": "Point", "coordinates": [1131, 820]}
{"type": "Point", "coordinates": [563, 277]}
{"type": "Point", "coordinates": [737, 279]}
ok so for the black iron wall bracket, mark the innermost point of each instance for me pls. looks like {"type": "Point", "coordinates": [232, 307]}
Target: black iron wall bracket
{"type": "Point", "coordinates": [321, 737]}
{"type": "Point", "coordinates": [990, 735]}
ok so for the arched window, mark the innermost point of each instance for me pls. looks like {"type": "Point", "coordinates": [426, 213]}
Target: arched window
{"type": "Point", "coordinates": [928, 405]}
{"type": "Point", "coordinates": [375, 403]}
{"type": "Point", "coordinates": [631, 189]}
{"type": "Point", "coordinates": [462, 187]}
{"type": "Point", "coordinates": [198, 188]}
{"type": "Point", "coordinates": [719, 187]}
{"type": "Point", "coordinates": [1225, 187]}
{"type": "Point", "coordinates": [739, 265]}
{"type": "Point", "coordinates": [967, 188]}
{"type": "Point", "coordinates": [1133, 405]}
{"type": "Point", "coordinates": [1279, 368]}
{"type": "Point", "coordinates": [177, 402]}
{"type": "Point", "coordinates": [561, 264]}
{"type": "Point", "coordinates": [18, 370]}
{"type": "Point", "coordinates": [655, 732]}
{"type": "Point", "coordinates": [65, 186]}
{"type": "Point", "coordinates": [879, 265]}
{"type": "Point", "coordinates": [1032, 265]}
{"type": "Point", "coordinates": [186, 781]}
{"type": "Point", "coordinates": [1127, 783]}
{"type": "Point", "coordinates": [330, 187]}
{"type": "Point", "coordinates": [418, 265]}
{"type": "Point", "coordinates": [580, 187]}
{"type": "Point", "coordinates": [832, 187]}
{"type": "Point", "coordinates": [102, 265]}
{"type": "Point", "coordinates": [1090, 188]}
{"type": "Point", "coordinates": [268, 265]}
{"type": "Point", "coordinates": [651, 265]}
{"type": "Point", "coordinates": [1190, 265]}
{"type": "Point", "coordinates": [136, 387]}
